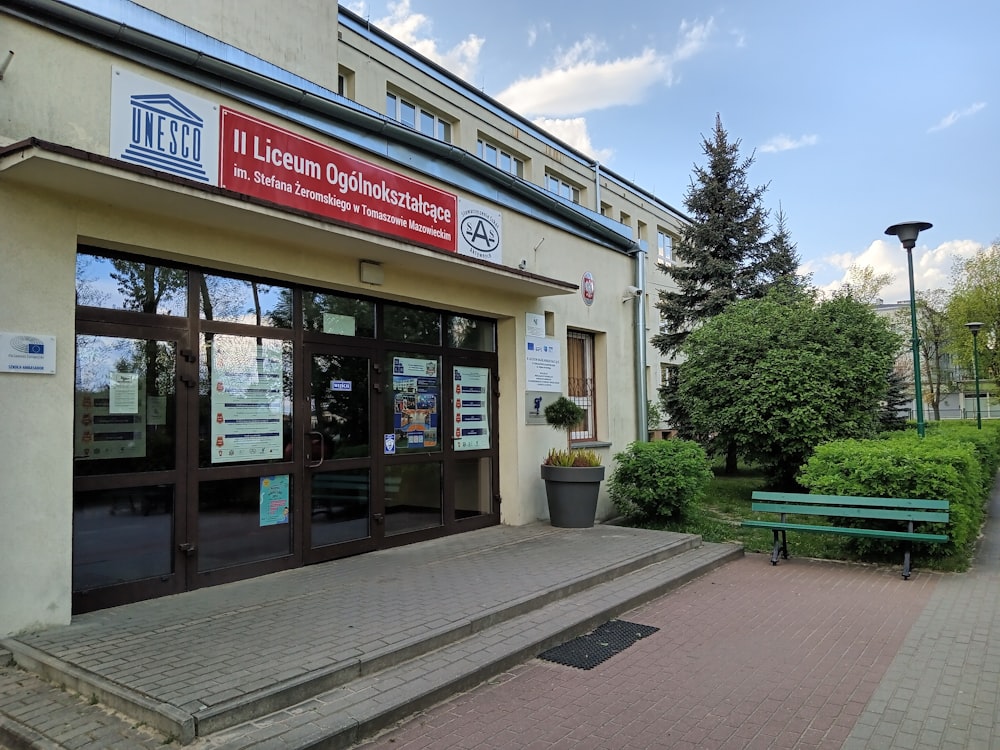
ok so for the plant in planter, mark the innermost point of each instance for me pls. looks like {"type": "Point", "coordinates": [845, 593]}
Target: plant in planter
{"type": "Point", "coordinates": [572, 475]}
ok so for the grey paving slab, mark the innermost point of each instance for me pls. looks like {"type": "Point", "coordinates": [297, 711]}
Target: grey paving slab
{"type": "Point", "coordinates": [265, 639]}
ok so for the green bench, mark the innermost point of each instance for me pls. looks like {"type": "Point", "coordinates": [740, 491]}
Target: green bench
{"type": "Point", "coordinates": [838, 506]}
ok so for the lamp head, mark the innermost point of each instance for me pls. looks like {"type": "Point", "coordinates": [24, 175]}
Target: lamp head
{"type": "Point", "coordinates": [974, 327]}
{"type": "Point", "coordinates": [908, 231]}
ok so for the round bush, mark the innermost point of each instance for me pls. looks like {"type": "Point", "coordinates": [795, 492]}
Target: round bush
{"type": "Point", "coordinates": [659, 481]}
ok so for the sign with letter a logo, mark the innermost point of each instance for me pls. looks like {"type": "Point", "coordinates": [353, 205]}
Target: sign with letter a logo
{"type": "Point", "coordinates": [479, 232]}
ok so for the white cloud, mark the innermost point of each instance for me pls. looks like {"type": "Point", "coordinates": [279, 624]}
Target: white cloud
{"type": "Point", "coordinates": [787, 143]}
{"type": "Point", "coordinates": [533, 32]}
{"type": "Point", "coordinates": [574, 132]}
{"type": "Point", "coordinates": [578, 82]}
{"type": "Point", "coordinates": [413, 30]}
{"type": "Point", "coordinates": [952, 117]}
{"type": "Point", "coordinates": [931, 266]}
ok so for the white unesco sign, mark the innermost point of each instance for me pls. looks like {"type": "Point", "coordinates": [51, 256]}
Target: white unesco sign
{"type": "Point", "coordinates": [163, 128]}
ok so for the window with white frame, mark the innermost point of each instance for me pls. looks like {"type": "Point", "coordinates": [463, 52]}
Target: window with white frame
{"type": "Point", "coordinates": [664, 247]}
{"type": "Point", "coordinates": [559, 186]}
{"type": "Point", "coordinates": [496, 156]}
{"type": "Point", "coordinates": [416, 117]}
{"type": "Point", "coordinates": [580, 367]}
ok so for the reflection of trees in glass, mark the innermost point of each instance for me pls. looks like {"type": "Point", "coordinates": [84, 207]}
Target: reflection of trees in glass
{"type": "Point", "coordinates": [242, 301]}
{"type": "Point", "coordinates": [342, 416]}
{"type": "Point", "coordinates": [145, 286]}
{"type": "Point", "coordinates": [412, 325]}
{"type": "Point", "coordinates": [470, 333]}
{"type": "Point", "coordinates": [87, 292]}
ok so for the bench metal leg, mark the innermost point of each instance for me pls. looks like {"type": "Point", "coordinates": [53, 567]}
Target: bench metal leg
{"type": "Point", "coordinates": [780, 545]}
{"type": "Point", "coordinates": [906, 555]}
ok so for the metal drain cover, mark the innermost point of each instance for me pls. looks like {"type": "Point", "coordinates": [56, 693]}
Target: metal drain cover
{"type": "Point", "coordinates": [587, 651]}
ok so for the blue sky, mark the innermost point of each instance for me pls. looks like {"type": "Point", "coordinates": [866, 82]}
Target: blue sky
{"type": "Point", "coordinates": [860, 114]}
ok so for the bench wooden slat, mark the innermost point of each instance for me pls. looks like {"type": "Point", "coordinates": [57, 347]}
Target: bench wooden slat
{"type": "Point", "coordinates": [915, 536]}
{"type": "Point", "coordinates": [842, 506]}
{"type": "Point", "coordinates": [848, 512]}
{"type": "Point", "coordinates": [883, 502]}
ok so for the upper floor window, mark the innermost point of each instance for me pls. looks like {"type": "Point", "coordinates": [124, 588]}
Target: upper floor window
{"type": "Point", "coordinates": [559, 186]}
{"type": "Point", "coordinates": [496, 156]}
{"type": "Point", "coordinates": [345, 82]}
{"type": "Point", "coordinates": [664, 247]}
{"type": "Point", "coordinates": [414, 116]}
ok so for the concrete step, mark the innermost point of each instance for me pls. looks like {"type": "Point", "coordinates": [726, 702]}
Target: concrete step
{"type": "Point", "coordinates": [346, 714]}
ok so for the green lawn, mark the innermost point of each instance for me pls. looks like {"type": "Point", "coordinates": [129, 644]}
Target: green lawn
{"type": "Point", "coordinates": [727, 502]}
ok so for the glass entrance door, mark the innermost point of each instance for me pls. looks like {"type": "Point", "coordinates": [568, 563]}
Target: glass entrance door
{"type": "Point", "coordinates": [345, 510]}
{"type": "Point", "coordinates": [128, 500]}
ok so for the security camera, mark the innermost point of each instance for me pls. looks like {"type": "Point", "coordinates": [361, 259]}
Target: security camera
{"type": "Point", "coordinates": [631, 292]}
{"type": "Point", "coordinates": [523, 264]}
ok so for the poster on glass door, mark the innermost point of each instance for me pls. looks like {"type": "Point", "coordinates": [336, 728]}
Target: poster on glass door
{"type": "Point", "coordinates": [416, 390]}
{"type": "Point", "coordinates": [472, 419]}
{"type": "Point", "coordinates": [246, 400]}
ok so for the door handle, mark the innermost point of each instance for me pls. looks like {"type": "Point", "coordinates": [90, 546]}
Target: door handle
{"type": "Point", "coordinates": [378, 517]}
{"type": "Point", "coordinates": [322, 449]}
{"type": "Point", "coordinates": [189, 382]}
{"type": "Point", "coordinates": [187, 548]}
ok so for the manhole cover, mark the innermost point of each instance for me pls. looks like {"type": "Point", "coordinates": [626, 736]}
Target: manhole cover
{"type": "Point", "coordinates": [587, 651]}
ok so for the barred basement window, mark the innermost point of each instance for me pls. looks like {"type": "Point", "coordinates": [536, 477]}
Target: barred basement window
{"type": "Point", "coordinates": [580, 364]}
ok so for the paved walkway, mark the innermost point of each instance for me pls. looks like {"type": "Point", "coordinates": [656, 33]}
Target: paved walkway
{"type": "Point", "coordinates": [803, 655]}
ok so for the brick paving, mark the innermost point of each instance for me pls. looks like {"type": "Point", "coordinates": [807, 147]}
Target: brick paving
{"type": "Point", "coordinates": [747, 656]}
{"type": "Point", "coordinates": [803, 655]}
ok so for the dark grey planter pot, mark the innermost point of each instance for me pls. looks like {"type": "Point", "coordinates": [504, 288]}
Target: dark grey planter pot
{"type": "Point", "coordinates": [572, 493]}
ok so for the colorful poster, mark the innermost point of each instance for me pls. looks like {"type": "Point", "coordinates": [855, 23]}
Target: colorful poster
{"type": "Point", "coordinates": [472, 414]}
{"type": "Point", "coordinates": [274, 500]}
{"type": "Point", "coordinates": [246, 381]}
{"type": "Point", "coordinates": [416, 386]}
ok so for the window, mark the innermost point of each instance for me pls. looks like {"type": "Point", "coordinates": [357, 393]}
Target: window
{"type": "Point", "coordinates": [580, 365]}
{"type": "Point", "coordinates": [418, 118]}
{"type": "Point", "coordinates": [624, 218]}
{"type": "Point", "coordinates": [668, 374]}
{"type": "Point", "coordinates": [664, 247]}
{"type": "Point", "coordinates": [345, 82]}
{"type": "Point", "coordinates": [560, 187]}
{"type": "Point", "coordinates": [500, 158]}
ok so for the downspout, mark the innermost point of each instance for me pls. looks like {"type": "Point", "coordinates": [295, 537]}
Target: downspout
{"type": "Point", "coordinates": [597, 186]}
{"type": "Point", "coordinates": [640, 343]}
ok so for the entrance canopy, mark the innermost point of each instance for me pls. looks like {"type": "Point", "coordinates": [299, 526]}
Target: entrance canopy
{"type": "Point", "coordinates": [62, 169]}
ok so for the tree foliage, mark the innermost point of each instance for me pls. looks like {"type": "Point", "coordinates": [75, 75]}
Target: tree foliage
{"type": "Point", "coordinates": [777, 376]}
{"type": "Point", "coordinates": [935, 334]}
{"type": "Point", "coordinates": [976, 298]}
{"type": "Point", "coordinates": [723, 253]}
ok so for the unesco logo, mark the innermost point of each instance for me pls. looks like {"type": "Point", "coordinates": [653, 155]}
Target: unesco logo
{"type": "Point", "coordinates": [166, 135]}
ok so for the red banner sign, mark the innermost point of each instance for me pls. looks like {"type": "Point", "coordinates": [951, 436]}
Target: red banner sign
{"type": "Point", "coordinates": [277, 165]}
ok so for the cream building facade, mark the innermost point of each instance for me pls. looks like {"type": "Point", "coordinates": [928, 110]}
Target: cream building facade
{"type": "Point", "coordinates": [276, 289]}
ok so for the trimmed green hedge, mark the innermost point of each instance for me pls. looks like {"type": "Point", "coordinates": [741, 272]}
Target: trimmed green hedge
{"type": "Point", "coordinates": [659, 481]}
{"type": "Point", "coordinates": [954, 462]}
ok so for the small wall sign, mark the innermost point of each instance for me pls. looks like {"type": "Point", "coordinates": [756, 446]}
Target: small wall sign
{"type": "Point", "coordinates": [27, 354]}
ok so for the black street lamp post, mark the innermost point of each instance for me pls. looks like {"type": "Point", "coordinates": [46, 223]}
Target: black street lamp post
{"type": "Point", "coordinates": [974, 327]}
{"type": "Point", "coordinates": [907, 233]}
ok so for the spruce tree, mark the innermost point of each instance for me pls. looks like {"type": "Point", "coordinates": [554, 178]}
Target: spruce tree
{"type": "Point", "coordinates": [723, 254]}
